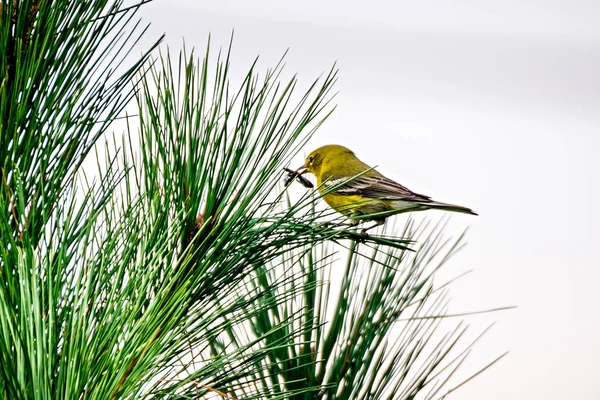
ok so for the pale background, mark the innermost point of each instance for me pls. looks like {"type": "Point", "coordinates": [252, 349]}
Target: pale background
{"type": "Point", "coordinates": [491, 104]}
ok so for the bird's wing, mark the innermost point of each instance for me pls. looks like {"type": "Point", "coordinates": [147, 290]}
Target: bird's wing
{"type": "Point", "coordinates": [378, 187]}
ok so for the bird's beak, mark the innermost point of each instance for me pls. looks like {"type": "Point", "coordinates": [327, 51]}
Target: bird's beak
{"type": "Point", "coordinates": [301, 170]}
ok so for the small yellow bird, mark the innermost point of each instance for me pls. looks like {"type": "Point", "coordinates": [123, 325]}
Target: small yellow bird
{"type": "Point", "coordinates": [359, 192]}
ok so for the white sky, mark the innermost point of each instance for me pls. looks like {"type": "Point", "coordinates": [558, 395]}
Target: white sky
{"type": "Point", "coordinates": [493, 105]}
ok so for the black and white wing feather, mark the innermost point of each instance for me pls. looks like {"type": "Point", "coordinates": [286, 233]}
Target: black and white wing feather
{"type": "Point", "coordinates": [376, 187]}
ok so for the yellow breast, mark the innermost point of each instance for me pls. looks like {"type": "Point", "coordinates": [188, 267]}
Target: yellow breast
{"type": "Point", "coordinates": [353, 206]}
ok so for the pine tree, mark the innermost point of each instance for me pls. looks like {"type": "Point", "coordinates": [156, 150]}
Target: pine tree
{"type": "Point", "coordinates": [179, 267]}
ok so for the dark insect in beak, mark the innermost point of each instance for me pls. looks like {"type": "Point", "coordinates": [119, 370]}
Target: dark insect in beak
{"type": "Point", "coordinates": [291, 174]}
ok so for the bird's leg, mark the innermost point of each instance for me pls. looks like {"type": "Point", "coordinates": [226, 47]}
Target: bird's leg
{"type": "Point", "coordinates": [354, 222]}
{"type": "Point", "coordinates": [376, 224]}
{"type": "Point", "coordinates": [326, 224]}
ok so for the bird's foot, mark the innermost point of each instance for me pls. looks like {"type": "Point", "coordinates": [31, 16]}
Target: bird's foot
{"type": "Point", "coordinates": [364, 233]}
{"type": "Point", "coordinates": [363, 236]}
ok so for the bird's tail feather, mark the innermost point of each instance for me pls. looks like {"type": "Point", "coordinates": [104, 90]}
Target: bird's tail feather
{"type": "Point", "coordinates": [449, 207]}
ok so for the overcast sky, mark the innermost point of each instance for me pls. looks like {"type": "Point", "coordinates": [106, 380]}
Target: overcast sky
{"type": "Point", "coordinates": [494, 105]}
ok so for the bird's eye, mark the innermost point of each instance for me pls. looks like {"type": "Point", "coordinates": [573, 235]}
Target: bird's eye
{"type": "Point", "coordinates": [310, 159]}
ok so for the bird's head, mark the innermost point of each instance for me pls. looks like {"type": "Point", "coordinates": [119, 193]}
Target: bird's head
{"type": "Point", "coordinates": [324, 155]}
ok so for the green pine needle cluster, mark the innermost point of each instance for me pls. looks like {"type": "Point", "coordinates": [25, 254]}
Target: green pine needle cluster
{"type": "Point", "coordinates": [177, 267]}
